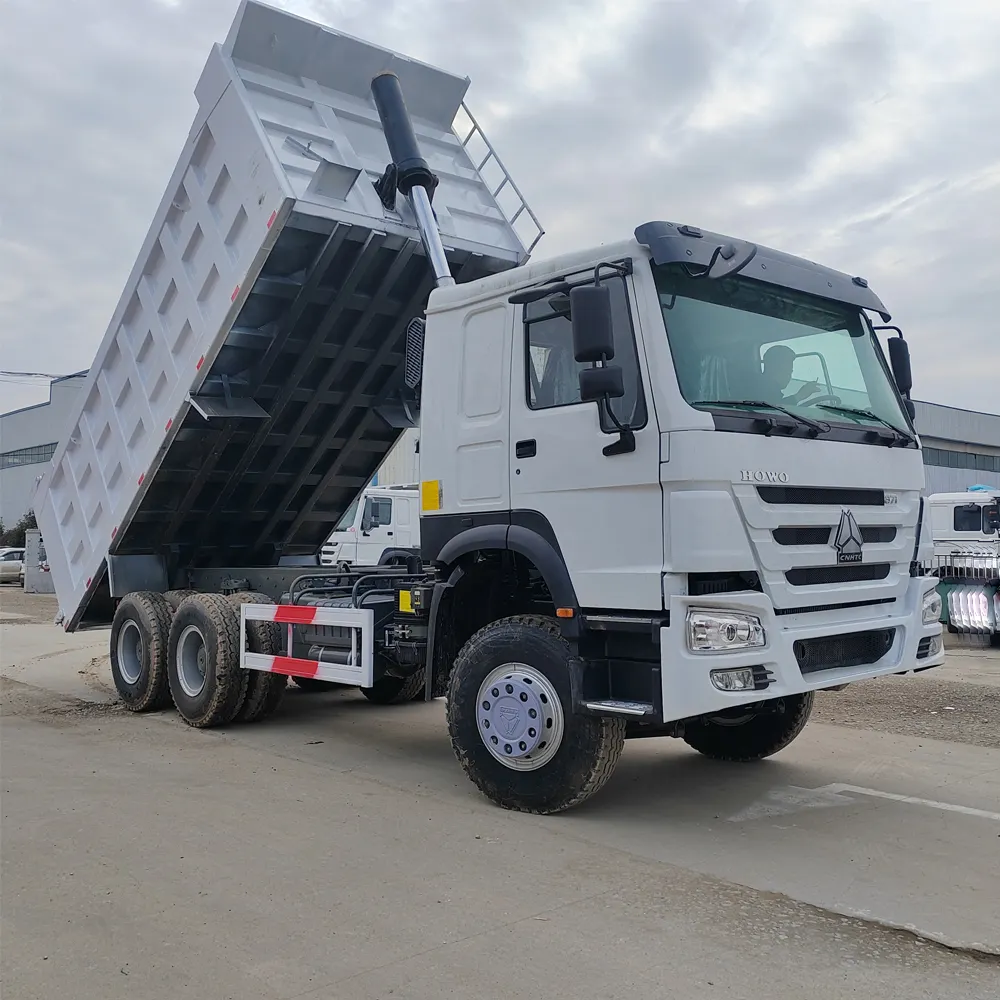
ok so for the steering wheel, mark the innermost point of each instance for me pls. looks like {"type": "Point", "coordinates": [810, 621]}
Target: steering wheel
{"type": "Point", "coordinates": [834, 400]}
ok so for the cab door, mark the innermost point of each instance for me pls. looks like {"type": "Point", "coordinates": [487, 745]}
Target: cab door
{"type": "Point", "coordinates": [376, 534]}
{"type": "Point", "coordinates": [605, 511]}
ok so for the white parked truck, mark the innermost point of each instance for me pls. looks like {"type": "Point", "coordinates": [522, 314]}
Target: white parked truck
{"type": "Point", "coordinates": [965, 528]}
{"type": "Point", "coordinates": [380, 528]}
{"type": "Point", "coordinates": [628, 527]}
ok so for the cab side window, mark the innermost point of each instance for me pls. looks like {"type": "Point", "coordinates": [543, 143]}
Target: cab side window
{"type": "Point", "coordinates": [969, 518]}
{"type": "Point", "coordinates": [551, 371]}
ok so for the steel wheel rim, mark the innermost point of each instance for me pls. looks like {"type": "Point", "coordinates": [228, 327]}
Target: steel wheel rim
{"type": "Point", "coordinates": [192, 661]}
{"type": "Point", "coordinates": [130, 652]}
{"type": "Point", "coordinates": [519, 717]}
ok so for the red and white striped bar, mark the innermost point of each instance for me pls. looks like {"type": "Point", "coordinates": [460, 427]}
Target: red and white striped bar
{"type": "Point", "coordinates": [360, 621]}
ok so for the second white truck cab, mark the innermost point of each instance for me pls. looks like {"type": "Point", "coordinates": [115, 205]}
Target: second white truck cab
{"type": "Point", "coordinates": [381, 528]}
{"type": "Point", "coordinates": [965, 528]}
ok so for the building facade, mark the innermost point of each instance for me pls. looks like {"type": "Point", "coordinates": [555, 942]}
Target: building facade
{"type": "Point", "coordinates": [961, 447]}
{"type": "Point", "coordinates": [28, 437]}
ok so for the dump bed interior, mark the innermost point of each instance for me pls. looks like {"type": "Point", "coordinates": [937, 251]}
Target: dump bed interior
{"type": "Point", "coordinates": [250, 383]}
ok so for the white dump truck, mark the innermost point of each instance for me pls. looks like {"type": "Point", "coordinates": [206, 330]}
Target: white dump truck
{"type": "Point", "coordinates": [965, 528]}
{"type": "Point", "coordinates": [670, 484]}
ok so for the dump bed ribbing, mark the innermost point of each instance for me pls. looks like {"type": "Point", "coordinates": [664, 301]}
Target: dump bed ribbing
{"type": "Point", "coordinates": [250, 382]}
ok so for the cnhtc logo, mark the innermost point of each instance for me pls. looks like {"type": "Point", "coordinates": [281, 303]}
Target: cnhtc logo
{"type": "Point", "coordinates": [762, 476]}
{"type": "Point", "coordinates": [847, 541]}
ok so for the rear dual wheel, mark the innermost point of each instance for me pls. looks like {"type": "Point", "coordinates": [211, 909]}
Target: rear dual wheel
{"type": "Point", "coordinates": [140, 633]}
{"type": "Point", "coordinates": [206, 682]}
{"type": "Point", "coordinates": [264, 690]}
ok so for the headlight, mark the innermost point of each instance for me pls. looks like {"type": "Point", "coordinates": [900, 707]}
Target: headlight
{"type": "Point", "coordinates": [932, 607]}
{"type": "Point", "coordinates": [721, 631]}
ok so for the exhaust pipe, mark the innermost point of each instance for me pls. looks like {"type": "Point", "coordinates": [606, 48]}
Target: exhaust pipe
{"type": "Point", "coordinates": [414, 178]}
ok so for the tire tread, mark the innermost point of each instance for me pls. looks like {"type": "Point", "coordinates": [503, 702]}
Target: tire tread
{"type": "Point", "coordinates": [230, 681]}
{"type": "Point", "coordinates": [718, 742]}
{"type": "Point", "coordinates": [265, 690]}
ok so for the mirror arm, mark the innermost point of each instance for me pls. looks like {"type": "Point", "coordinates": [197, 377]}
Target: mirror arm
{"type": "Point", "coordinates": [625, 444]}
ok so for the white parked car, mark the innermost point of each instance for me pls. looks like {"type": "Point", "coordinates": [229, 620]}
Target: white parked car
{"type": "Point", "coordinates": [381, 526]}
{"type": "Point", "coordinates": [12, 566]}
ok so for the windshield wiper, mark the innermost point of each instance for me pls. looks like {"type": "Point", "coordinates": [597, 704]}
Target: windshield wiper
{"type": "Point", "coordinates": [817, 426]}
{"type": "Point", "coordinates": [904, 435]}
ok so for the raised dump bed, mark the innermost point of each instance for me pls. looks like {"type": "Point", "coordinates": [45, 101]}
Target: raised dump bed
{"type": "Point", "coordinates": [250, 381]}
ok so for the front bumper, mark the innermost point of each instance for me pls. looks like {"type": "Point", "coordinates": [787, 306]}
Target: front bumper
{"type": "Point", "coordinates": [688, 690]}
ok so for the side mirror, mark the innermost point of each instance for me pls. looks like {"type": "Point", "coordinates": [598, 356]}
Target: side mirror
{"type": "Point", "coordinates": [593, 334]}
{"type": "Point", "coordinates": [368, 519]}
{"type": "Point", "coordinates": [601, 383]}
{"type": "Point", "coordinates": [899, 360]}
{"type": "Point", "coordinates": [911, 410]}
{"type": "Point", "coordinates": [991, 519]}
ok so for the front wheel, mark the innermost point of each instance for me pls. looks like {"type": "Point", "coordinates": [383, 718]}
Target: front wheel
{"type": "Point", "coordinates": [511, 724]}
{"type": "Point", "coordinates": [389, 690]}
{"type": "Point", "coordinates": [750, 734]}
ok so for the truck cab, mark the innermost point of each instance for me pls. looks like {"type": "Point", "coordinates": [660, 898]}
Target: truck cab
{"type": "Point", "coordinates": [966, 533]}
{"type": "Point", "coordinates": [726, 482]}
{"type": "Point", "coordinates": [381, 527]}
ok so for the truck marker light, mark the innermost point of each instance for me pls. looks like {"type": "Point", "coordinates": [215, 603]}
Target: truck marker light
{"type": "Point", "coordinates": [114, 531]}
{"type": "Point", "coordinates": [236, 291]}
{"type": "Point", "coordinates": [170, 423]}
{"type": "Point", "coordinates": [270, 222]}
{"type": "Point", "coordinates": [564, 612]}
{"type": "Point", "coordinates": [201, 361]}
{"type": "Point", "coordinates": [142, 476]}
{"type": "Point", "coordinates": [430, 494]}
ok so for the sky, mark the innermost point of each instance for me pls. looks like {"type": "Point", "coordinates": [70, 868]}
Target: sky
{"type": "Point", "coordinates": [862, 135]}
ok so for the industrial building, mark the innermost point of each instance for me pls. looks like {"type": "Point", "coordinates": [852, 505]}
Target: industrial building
{"type": "Point", "coordinates": [961, 447]}
{"type": "Point", "coordinates": [28, 437]}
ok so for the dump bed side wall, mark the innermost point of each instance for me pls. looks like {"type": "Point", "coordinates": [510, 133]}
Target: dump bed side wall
{"type": "Point", "coordinates": [212, 227]}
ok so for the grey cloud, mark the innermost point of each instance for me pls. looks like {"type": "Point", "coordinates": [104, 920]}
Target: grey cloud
{"type": "Point", "coordinates": [859, 134]}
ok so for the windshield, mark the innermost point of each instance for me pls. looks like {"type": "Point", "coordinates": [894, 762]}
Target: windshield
{"type": "Point", "coordinates": [347, 519]}
{"type": "Point", "coordinates": [736, 340]}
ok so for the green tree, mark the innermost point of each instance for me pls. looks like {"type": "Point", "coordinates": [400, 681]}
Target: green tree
{"type": "Point", "coordinates": [14, 537]}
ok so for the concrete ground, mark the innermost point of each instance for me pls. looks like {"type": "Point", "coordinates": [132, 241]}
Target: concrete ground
{"type": "Point", "coordinates": [338, 851]}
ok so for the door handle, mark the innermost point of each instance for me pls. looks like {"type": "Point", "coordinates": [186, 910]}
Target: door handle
{"type": "Point", "coordinates": [389, 533]}
{"type": "Point", "coordinates": [525, 449]}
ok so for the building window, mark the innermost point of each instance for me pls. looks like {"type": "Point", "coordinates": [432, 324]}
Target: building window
{"type": "Point", "coordinates": [27, 456]}
{"type": "Point", "coordinates": [946, 459]}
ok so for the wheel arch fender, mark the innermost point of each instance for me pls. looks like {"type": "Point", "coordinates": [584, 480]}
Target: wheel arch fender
{"type": "Point", "coordinates": [527, 542]}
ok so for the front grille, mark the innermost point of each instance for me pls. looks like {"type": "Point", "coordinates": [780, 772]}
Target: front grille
{"type": "Point", "coordinates": [924, 648]}
{"type": "Point", "coordinates": [701, 584]}
{"type": "Point", "coordinates": [811, 576]}
{"type": "Point", "coordinates": [816, 608]}
{"type": "Point", "coordinates": [820, 535]}
{"type": "Point", "coordinates": [819, 496]}
{"type": "Point", "coordinates": [854, 649]}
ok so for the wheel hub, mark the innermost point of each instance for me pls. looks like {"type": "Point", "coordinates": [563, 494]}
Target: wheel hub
{"type": "Point", "coordinates": [519, 716]}
{"type": "Point", "coordinates": [130, 652]}
{"type": "Point", "coordinates": [192, 661]}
